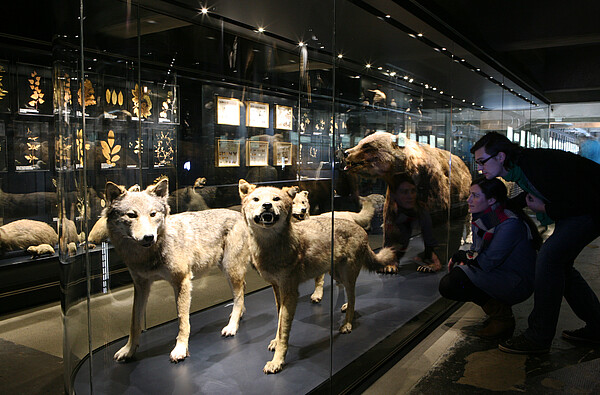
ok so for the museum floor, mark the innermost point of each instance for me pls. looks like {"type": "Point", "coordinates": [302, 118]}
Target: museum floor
{"type": "Point", "coordinates": [449, 360]}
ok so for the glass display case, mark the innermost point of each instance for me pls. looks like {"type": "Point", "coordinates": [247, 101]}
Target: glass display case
{"type": "Point", "coordinates": [112, 98]}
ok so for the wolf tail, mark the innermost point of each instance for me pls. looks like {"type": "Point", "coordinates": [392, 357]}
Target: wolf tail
{"type": "Point", "coordinates": [385, 256]}
{"type": "Point", "coordinates": [364, 217]}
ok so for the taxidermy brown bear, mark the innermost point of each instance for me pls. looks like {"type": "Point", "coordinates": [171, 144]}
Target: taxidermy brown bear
{"type": "Point", "coordinates": [442, 178]}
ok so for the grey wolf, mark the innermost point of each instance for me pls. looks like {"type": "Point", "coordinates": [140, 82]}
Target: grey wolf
{"type": "Point", "coordinates": [155, 245]}
{"type": "Point", "coordinates": [301, 211]}
{"type": "Point", "coordinates": [286, 253]}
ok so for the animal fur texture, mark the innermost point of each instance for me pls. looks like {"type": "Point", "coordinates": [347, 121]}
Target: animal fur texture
{"type": "Point", "coordinates": [301, 211]}
{"type": "Point", "coordinates": [155, 245]}
{"type": "Point", "coordinates": [286, 253]}
{"type": "Point", "coordinates": [24, 233]}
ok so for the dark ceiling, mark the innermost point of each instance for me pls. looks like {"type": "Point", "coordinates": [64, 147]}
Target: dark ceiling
{"type": "Point", "coordinates": [553, 46]}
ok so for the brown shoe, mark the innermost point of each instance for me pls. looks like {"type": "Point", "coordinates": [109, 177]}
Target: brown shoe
{"type": "Point", "coordinates": [501, 320]}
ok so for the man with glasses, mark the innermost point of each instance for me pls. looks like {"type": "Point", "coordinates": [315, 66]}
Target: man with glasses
{"type": "Point", "coordinates": [563, 188]}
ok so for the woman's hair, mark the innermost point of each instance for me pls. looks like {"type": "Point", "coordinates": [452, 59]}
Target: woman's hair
{"type": "Point", "coordinates": [493, 188]}
{"type": "Point", "coordinates": [496, 189]}
{"type": "Point", "coordinates": [400, 178]}
{"type": "Point", "coordinates": [494, 142]}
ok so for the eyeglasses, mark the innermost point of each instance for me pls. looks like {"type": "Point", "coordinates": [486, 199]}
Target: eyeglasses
{"type": "Point", "coordinates": [481, 162]}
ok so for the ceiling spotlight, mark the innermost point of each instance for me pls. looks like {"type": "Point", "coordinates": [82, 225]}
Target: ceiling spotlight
{"type": "Point", "coordinates": [388, 16]}
{"type": "Point", "coordinates": [301, 44]}
{"type": "Point", "coordinates": [379, 68]}
{"type": "Point", "coordinates": [261, 29]}
{"type": "Point", "coordinates": [405, 77]}
{"type": "Point", "coordinates": [340, 56]}
{"type": "Point", "coordinates": [420, 34]}
{"type": "Point", "coordinates": [412, 35]}
{"type": "Point", "coordinates": [393, 73]}
{"type": "Point", "coordinates": [368, 65]}
{"type": "Point", "coordinates": [204, 10]}
{"type": "Point", "coordinates": [443, 49]}
{"type": "Point", "coordinates": [411, 80]}
{"type": "Point", "coordinates": [441, 92]}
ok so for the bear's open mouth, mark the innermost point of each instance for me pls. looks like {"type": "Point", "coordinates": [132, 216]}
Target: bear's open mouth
{"type": "Point", "coordinates": [266, 218]}
{"type": "Point", "coordinates": [299, 216]}
{"type": "Point", "coordinates": [351, 165]}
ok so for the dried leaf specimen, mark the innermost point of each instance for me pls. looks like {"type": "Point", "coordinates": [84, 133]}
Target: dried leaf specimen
{"type": "Point", "coordinates": [3, 92]}
{"type": "Point", "coordinates": [37, 97]}
{"type": "Point", "coordinates": [141, 102]}
{"type": "Point", "coordinates": [120, 100]}
{"type": "Point", "coordinates": [137, 146]}
{"type": "Point", "coordinates": [63, 148]}
{"type": "Point", "coordinates": [88, 90]}
{"type": "Point", "coordinates": [164, 149]}
{"type": "Point", "coordinates": [110, 149]}
{"type": "Point", "coordinates": [114, 97]}
{"type": "Point", "coordinates": [167, 106]}
{"type": "Point", "coordinates": [108, 95]}
{"type": "Point", "coordinates": [32, 147]}
{"type": "Point", "coordinates": [80, 146]}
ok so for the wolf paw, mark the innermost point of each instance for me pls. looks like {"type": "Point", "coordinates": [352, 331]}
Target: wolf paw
{"type": "Point", "coordinates": [272, 345]}
{"type": "Point", "coordinates": [346, 328]}
{"type": "Point", "coordinates": [273, 367]}
{"type": "Point", "coordinates": [125, 353]}
{"type": "Point", "coordinates": [229, 330]}
{"type": "Point", "coordinates": [179, 353]}
{"type": "Point", "coordinates": [344, 307]}
{"type": "Point", "coordinates": [316, 297]}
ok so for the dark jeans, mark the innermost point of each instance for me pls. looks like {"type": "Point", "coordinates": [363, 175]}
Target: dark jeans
{"type": "Point", "coordinates": [457, 286]}
{"type": "Point", "coordinates": [556, 277]}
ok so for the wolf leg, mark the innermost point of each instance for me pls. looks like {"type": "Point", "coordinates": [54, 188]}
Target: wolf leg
{"type": "Point", "coordinates": [273, 343]}
{"type": "Point", "coordinates": [317, 295]}
{"type": "Point", "coordinates": [349, 286]}
{"type": "Point", "coordinates": [141, 290]}
{"type": "Point", "coordinates": [183, 299]}
{"type": "Point", "coordinates": [237, 284]}
{"type": "Point", "coordinates": [289, 300]}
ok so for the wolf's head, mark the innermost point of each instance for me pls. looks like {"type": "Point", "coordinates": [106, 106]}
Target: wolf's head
{"type": "Point", "coordinates": [301, 206]}
{"type": "Point", "coordinates": [137, 215]}
{"type": "Point", "coordinates": [266, 207]}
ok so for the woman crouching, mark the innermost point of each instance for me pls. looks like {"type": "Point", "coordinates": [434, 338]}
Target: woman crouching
{"type": "Point", "coordinates": [499, 269]}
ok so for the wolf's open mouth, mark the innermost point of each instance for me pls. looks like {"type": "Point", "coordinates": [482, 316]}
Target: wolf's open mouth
{"type": "Point", "coordinates": [266, 218]}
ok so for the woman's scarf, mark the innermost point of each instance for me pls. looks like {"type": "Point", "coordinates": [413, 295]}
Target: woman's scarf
{"type": "Point", "coordinates": [485, 223]}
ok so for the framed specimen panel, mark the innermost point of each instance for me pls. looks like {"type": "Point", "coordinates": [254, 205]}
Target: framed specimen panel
{"type": "Point", "coordinates": [227, 153]}
{"type": "Point", "coordinates": [282, 154]}
{"type": "Point", "coordinates": [31, 146]}
{"type": "Point", "coordinates": [228, 111]}
{"type": "Point", "coordinates": [257, 153]}
{"type": "Point", "coordinates": [164, 147]}
{"type": "Point", "coordinates": [257, 115]}
{"type": "Point", "coordinates": [167, 104]}
{"type": "Point", "coordinates": [35, 90]}
{"type": "Point", "coordinates": [283, 117]}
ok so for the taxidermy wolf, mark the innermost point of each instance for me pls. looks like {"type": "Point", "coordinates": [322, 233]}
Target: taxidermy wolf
{"type": "Point", "coordinates": [155, 245]}
{"type": "Point", "coordinates": [286, 253]}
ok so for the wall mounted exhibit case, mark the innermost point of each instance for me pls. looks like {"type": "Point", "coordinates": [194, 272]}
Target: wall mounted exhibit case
{"type": "Point", "coordinates": [155, 90]}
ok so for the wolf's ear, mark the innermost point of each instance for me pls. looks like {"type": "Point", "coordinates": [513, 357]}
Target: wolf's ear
{"type": "Point", "coordinates": [134, 188]}
{"type": "Point", "coordinates": [160, 189]}
{"type": "Point", "coordinates": [305, 193]}
{"type": "Point", "coordinates": [291, 191]}
{"type": "Point", "coordinates": [295, 188]}
{"type": "Point", "coordinates": [245, 188]}
{"type": "Point", "coordinates": [113, 191]}
{"type": "Point", "coordinates": [200, 182]}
